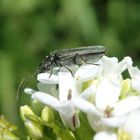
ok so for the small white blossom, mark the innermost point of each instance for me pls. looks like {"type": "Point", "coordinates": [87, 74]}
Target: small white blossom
{"type": "Point", "coordinates": [112, 69]}
{"type": "Point", "coordinates": [63, 104]}
{"type": "Point", "coordinates": [62, 100]}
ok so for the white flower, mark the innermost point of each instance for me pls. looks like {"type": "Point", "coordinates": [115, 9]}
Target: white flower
{"type": "Point", "coordinates": [98, 90]}
{"type": "Point", "coordinates": [63, 104]}
{"type": "Point", "coordinates": [69, 88]}
{"type": "Point", "coordinates": [130, 130]}
{"type": "Point", "coordinates": [112, 69]}
{"type": "Point", "coordinates": [106, 110]}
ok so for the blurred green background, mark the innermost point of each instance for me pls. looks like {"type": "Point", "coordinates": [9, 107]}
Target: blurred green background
{"type": "Point", "coordinates": [30, 29]}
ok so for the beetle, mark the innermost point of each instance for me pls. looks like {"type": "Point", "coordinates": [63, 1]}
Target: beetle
{"type": "Point", "coordinates": [66, 58]}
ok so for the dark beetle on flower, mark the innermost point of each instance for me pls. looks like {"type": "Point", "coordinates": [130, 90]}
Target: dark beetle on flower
{"type": "Point", "coordinates": [66, 58]}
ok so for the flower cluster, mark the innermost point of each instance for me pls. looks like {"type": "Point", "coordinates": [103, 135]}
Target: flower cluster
{"type": "Point", "coordinates": [110, 101]}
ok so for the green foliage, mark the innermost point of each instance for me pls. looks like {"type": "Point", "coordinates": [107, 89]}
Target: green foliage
{"type": "Point", "coordinates": [30, 29]}
{"type": "Point", "coordinates": [45, 127]}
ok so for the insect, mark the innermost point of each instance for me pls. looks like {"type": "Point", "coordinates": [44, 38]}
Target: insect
{"type": "Point", "coordinates": [67, 58]}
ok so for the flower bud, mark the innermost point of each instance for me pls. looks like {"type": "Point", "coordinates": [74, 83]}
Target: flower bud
{"type": "Point", "coordinates": [32, 122]}
{"type": "Point", "coordinates": [47, 114]}
{"type": "Point", "coordinates": [125, 88]}
{"type": "Point", "coordinates": [25, 110]}
{"type": "Point", "coordinates": [35, 130]}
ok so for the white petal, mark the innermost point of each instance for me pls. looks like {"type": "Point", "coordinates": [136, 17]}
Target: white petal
{"type": "Point", "coordinates": [135, 75]}
{"type": "Point", "coordinates": [29, 91]}
{"type": "Point", "coordinates": [46, 99]}
{"type": "Point", "coordinates": [132, 125]}
{"type": "Point", "coordinates": [109, 64]}
{"type": "Point", "coordinates": [71, 121]}
{"type": "Point", "coordinates": [86, 106]}
{"type": "Point", "coordinates": [87, 72]}
{"type": "Point", "coordinates": [126, 106]}
{"type": "Point", "coordinates": [67, 86]}
{"type": "Point", "coordinates": [136, 85]}
{"type": "Point", "coordinates": [124, 64]}
{"type": "Point", "coordinates": [48, 88]}
{"type": "Point", "coordinates": [128, 60]}
{"type": "Point", "coordinates": [96, 123]}
{"type": "Point", "coordinates": [66, 109]}
{"type": "Point", "coordinates": [114, 122]}
{"type": "Point", "coordinates": [90, 91]}
{"type": "Point", "coordinates": [104, 135]}
{"type": "Point", "coordinates": [68, 115]}
{"type": "Point", "coordinates": [134, 72]}
{"type": "Point", "coordinates": [107, 94]}
{"type": "Point", "coordinates": [46, 78]}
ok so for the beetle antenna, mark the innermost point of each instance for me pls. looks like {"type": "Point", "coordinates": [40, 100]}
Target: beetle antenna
{"type": "Point", "coordinates": [24, 82]}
